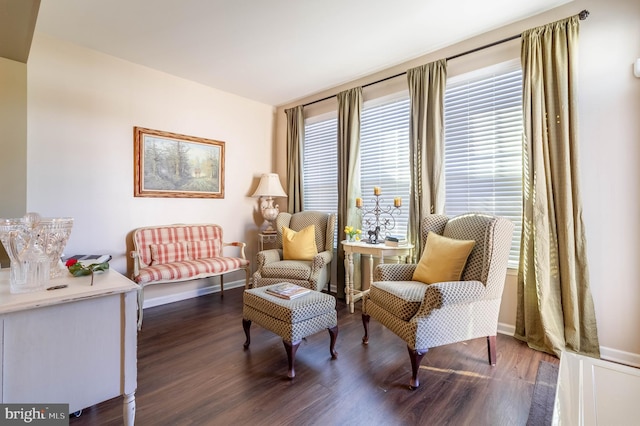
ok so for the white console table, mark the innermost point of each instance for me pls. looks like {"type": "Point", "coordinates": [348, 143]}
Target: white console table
{"type": "Point", "coordinates": [595, 392]}
{"type": "Point", "coordinates": [380, 251]}
{"type": "Point", "coordinates": [74, 345]}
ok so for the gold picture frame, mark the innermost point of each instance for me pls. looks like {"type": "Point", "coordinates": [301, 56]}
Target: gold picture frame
{"type": "Point", "coordinates": [171, 165]}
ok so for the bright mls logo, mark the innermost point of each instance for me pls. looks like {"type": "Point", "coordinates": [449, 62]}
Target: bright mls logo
{"type": "Point", "coordinates": [34, 414]}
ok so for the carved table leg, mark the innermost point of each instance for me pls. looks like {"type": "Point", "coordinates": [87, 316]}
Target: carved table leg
{"type": "Point", "coordinates": [129, 409]}
{"type": "Point", "coordinates": [291, 348]}
{"type": "Point", "coordinates": [333, 333]}
{"type": "Point", "coordinates": [362, 285]}
{"type": "Point", "coordinates": [348, 265]}
{"type": "Point", "coordinates": [246, 325]}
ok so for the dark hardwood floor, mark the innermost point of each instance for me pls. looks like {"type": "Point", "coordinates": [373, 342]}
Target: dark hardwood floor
{"type": "Point", "coordinates": [192, 370]}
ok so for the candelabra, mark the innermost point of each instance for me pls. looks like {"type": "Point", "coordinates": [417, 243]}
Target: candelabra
{"type": "Point", "coordinates": [379, 220]}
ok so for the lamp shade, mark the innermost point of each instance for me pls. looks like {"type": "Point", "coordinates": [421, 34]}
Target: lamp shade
{"type": "Point", "coordinates": [269, 186]}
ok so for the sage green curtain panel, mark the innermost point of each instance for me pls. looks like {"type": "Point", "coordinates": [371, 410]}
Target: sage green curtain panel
{"type": "Point", "coordinates": [427, 84]}
{"type": "Point", "coordinates": [349, 111]}
{"type": "Point", "coordinates": [555, 307]}
{"type": "Point", "coordinates": [295, 147]}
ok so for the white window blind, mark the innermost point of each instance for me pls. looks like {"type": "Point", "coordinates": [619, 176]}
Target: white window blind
{"type": "Point", "coordinates": [384, 157]}
{"type": "Point", "coordinates": [320, 166]}
{"type": "Point", "coordinates": [483, 148]}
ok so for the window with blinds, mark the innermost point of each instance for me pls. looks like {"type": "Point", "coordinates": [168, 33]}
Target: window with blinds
{"type": "Point", "coordinates": [483, 148]}
{"type": "Point", "coordinates": [320, 166]}
{"type": "Point", "coordinates": [384, 157]}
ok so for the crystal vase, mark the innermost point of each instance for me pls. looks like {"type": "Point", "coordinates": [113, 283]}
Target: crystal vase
{"type": "Point", "coordinates": [34, 245]}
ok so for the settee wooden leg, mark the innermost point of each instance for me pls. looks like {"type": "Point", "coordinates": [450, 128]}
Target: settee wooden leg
{"type": "Point", "coordinates": [246, 325]}
{"type": "Point", "coordinates": [365, 323]}
{"type": "Point", "coordinates": [491, 348]}
{"type": "Point", "coordinates": [416, 356]}
{"type": "Point", "coordinates": [221, 286]}
{"type": "Point", "coordinates": [291, 348]}
{"type": "Point", "coordinates": [333, 333]}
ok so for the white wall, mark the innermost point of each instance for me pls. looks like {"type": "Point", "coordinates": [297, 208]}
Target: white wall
{"type": "Point", "coordinates": [610, 164]}
{"type": "Point", "coordinates": [82, 107]}
{"type": "Point", "coordinates": [609, 114]}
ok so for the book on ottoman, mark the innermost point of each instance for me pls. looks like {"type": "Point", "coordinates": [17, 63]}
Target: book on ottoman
{"type": "Point", "coordinates": [287, 290]}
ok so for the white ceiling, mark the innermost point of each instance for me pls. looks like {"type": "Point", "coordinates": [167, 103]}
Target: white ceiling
{"type": "Point", "coordinates": [275, 51]}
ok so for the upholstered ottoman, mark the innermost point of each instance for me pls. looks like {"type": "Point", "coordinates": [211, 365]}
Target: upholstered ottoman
{"type": "Point", "coordinates": [292, 319]}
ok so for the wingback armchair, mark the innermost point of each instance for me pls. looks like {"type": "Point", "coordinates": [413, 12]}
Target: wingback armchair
{"type": "Point", "coordinates": [440, 313]}
{"type": "Point", "coordinates": [315, 274]}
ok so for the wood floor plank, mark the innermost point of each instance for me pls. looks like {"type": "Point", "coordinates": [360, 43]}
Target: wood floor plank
{"type": "Point", "coordinates": [193, 370]}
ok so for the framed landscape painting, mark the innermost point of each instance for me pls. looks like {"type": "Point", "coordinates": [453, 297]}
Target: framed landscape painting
{"type": "Point", "coordinates": [177, 166]}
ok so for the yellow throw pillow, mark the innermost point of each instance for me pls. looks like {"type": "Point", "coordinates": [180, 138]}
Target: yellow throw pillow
{"type": "Point", "coordinates": [443, 259]}
{"type": "Point", "coordinates": [299, 245]}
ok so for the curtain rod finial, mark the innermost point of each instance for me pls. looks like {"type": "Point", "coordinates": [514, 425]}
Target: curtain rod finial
{"type": "Point", "coordinates": [583, 15]}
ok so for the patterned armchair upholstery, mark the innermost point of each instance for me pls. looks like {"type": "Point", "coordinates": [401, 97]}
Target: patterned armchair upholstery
{"type": "Point", "coordinates": [430, 315]}
{"type": "Point", "coordinates": [314, 274]}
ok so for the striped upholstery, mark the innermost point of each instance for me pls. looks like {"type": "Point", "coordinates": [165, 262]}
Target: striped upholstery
{"type": "Point", "coordinates": [143, 238]}
{"type": "Point", "coordinates": [314, 274]}
{"type": "Point", "coordinates": [170, 252]}
{"type": "Point", "coordinates": [189, 269]}
{"type": "Point", "coordinates": [427, 316]}
{"type": "Point", "coordinates": [173, 253]}
{"type": "Point", "coordinates": [210, 247]}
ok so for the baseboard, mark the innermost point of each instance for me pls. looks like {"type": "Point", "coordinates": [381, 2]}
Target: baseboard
{"type": "Point", "coordinates": [176, 297]}
{"type": "Point", "coordinates": [608, 354]}
{"type": "Point", "coordinates": [507, 329]}
{"type": "Point", "coordinates": [620, 357]}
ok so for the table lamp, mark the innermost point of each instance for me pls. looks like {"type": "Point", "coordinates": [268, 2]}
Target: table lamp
{"type": "Point", "coordinates": [268, 188]}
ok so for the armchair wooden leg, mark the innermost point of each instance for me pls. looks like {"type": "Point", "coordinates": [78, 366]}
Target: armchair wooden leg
{"type": "Point", "coordinates": [365, 323]}
{"type": "Point", "coordinates": [246, 325]}
{"type": "Point", "coordinates": [291, 348]}
{"type": "Point", "coordinates": [491, 348]}
{"type": "Point", "coordinates": [416, 356]}
{"type": "Point", "coordinates": [333, 333]}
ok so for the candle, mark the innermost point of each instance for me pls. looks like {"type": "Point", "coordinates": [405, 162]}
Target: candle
{"type": "Point", "coordinates": [397, 202]}
{"type": "Point", "coordinates": [376, 190]}
{"type": "Point", "coordinates": [358, 202]}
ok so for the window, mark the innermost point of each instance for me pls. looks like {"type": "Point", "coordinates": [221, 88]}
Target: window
{"type": "Point", "coordinates": [320, 166]}
{"type": "Point", "coordinates": [483, 151]}
{"type": "Point", "coordinates": [483, 147]}
{"type": "Point", "coordinates": [384, 157]}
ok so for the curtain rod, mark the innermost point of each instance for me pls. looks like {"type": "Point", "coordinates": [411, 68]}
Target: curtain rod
{"type": "Point", "coordinates": [582, 16]}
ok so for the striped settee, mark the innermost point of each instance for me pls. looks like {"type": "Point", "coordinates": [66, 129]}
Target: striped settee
{"type": "Point", "coordinates": [174, 253]}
